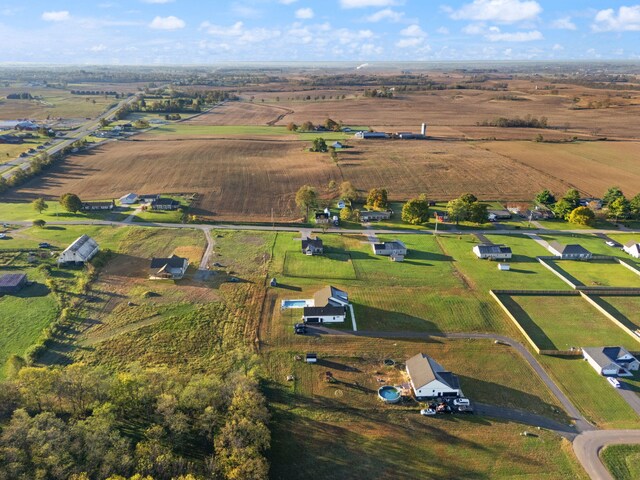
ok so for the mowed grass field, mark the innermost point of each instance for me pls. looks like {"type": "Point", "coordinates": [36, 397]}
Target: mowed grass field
{"type": "Point", "coordinates": [625, 309]}
{"type": "Point", "coordinates": [622, 461]}
{"type": "Point", "coordinates": [601, 273]}
{"type": "Point", "coordinates": [560, 323]}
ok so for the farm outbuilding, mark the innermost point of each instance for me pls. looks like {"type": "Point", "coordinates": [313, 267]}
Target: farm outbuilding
{"type": "Point", "coordinates": [12, 283]}
{"type": "Point", "coordinates": [83, 249]}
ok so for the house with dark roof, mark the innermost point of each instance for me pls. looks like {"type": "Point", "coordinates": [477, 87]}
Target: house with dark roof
{"type": "Point", "coordinates": [492, 252]}
{"type": "Point", "coordinates": [499, 214]}
{"type": "Point", "coordinates": [396, 250]}
{"type": "Point", "coordinates": [429, 379]}
{"type": "Point", "coordinates": [164, 204]}
{"type": "Point", "coordinates": [569, 252]}
{"type": "Point", "coordinates": [12, 283]}
{"type": "Point", "coordinates": [329, 306]}
{"type": "Point", "coordinates": [323, 218]}
{"type": "Point", "coordinates": [312, 246]}
{"type": "Point", "coordinates": [98, 206]}
{"type": "Point", "coordinates": [611, 361]}
{"type": "Point", "coordinates": [172, 268]}
{"type": "Point", "coordinates": [632, 248]}
{"type": "Point", "coordinates": [83, 249]}
{"type": "Point", "coordinates": [375, 215]}
{"type": "Point", "coordinates": [148, 198]}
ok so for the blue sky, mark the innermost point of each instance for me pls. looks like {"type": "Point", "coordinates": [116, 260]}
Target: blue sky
{"type": "Point", "coordinates": [209, 31]}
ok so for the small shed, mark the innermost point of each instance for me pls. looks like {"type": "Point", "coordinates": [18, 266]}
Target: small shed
{"type": "Point", "coordinates": [504, 267]}
{"type": "Point", "coordinates": [311, 358]}
{"type": "Point", "coordinates": [337, 145]}
{"type": "Point", "coordinates": [12, 282]}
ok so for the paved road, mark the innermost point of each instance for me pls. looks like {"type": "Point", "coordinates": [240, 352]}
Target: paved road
{"type": "Point", "coordinates": [527, 418]}
{"type": "Point", "coordinates": [587, 445]}
{"type": "Point", "coordinates": [629, 395]}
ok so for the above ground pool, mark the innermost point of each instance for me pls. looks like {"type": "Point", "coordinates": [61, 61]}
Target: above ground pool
{"type": "Point", "coordinates": [296, 303]}
{"type": "Point", "coordinates": [389, 394]}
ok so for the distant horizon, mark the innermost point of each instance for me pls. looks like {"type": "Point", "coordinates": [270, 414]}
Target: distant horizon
{"type": "Point", "coordinates": [185, 32]}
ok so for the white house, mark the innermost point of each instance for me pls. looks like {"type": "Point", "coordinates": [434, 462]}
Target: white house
{"type": "Point", "coordinates": [396, 250]}
{"type": "Point", "coordinates": [312, 246]}
{"type": "Point", "coordinates": [429, 379]}
{"type": "Point", "coordinates": [172, 268]}
{"type": "Point", "coordinates": [129, 199]}
{"type": "Point", "coordinates": [493, 252]}
{"type": "Point", "coordinates": [569, 252]}
{"type": "Point", "coordinates": [83, 249]}
{"type": "Point", "coordinates": [632, 248]}
{"type": "Point", "coordinates": [611, 361]}
{"type": "Point", "coordinates": [329, 306]}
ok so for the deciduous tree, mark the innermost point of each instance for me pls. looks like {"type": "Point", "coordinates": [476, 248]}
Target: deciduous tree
{"type": "Point", "coordinates": [378, 198]}
{"type": "Point", "coordinates": [71, 202]}
{"type": "Point", "coordinates": [582, 216]}
{"type": "Point", "coordinates": [416, 210]}
{"type": "Point", "coordinates": [611, 194]}
{"type": "Point", "coordinates": [306, 198]}
{"type": "Point", "coordinates": [39, 205]}
{"type": "Point", "coordinates": [545, 197]}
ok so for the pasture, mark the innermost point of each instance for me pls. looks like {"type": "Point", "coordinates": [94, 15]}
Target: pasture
{"type": "Point", "coordinates": [565, 322]}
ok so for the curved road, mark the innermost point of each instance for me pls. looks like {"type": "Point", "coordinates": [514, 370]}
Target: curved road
{"type": "Point", "coordinates": [588, 444]}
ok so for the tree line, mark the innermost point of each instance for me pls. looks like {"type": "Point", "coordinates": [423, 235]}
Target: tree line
{"type": "Point", "coordinates": [516, 122]}
{"type": "Point", "coordinates": [81, 422]}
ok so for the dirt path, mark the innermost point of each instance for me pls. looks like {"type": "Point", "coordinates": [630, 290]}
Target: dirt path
{"type": "Point", "coordinates": [203, 270]}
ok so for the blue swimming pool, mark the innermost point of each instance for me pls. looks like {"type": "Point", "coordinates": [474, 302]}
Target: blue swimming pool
{"type": "Point", "coordinates": [389, 394]}
{"type": "Point", "coordinates": [296, 303]}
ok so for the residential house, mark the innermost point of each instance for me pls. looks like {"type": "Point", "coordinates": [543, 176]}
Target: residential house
{"type": "Point", "coordinates": [632, 248]}
{"type": "Point", "coordinates": [148, 198]}
{"type": "Point", "coordinates": [98, 206]}
{"type": "Point", "coordinates": [27, 125]}
{"type": "Point", "coordinates": [172, 268]}
{"type": "Point", "coordinates": [312, 246]}
{"type": "Point", "coordinates": [323, 218]}
{"type": "Point", "coordinates": [329, 306]}
{"type": "Point", "coordinates": [493, 252]}
{"type": "Point", "coordinates": [12, 283]}
{"type": "Point", "coordinates": [429, 379]}
{"type": "Point", "coordinates": [129, 199]}
{"type": "Point", "coordinates": [83, 249]}
{"type": "Point", "coordinates": [611, 361]}
{"type": "Point", "coordinates": [165, 204]}
{"type": "Point", "coordinates": [569, 252]}
{"type": "Point", "coordinates": [375, 216]}
{"type": "Point", "coordinates": [495, 215]}
{"type": "Point", "coordinates": [396, 250]}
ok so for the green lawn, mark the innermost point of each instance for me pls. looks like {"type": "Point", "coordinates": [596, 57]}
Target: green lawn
{"type": "Point", "coordinates": [590, 392]}
{"type": "Point", "coordinates": [24, 316]}
{"type": "Point", "coordinates": [163, 216]}
{"type": "Point", "coordinates": [61, 236]}
{"type": "Point", "coordinates": [594, 244]}
{"type": "Point", "coordinates": [563, 225]}
{"type": "Point", "coordinates": [623, 461]}
{"type": "Point", "coordinates": [625, 309]}
{"type": "Point", "coordinates": [601, 273]}
{"type": "Point", "coordinates": [559, 323]}
{"type": "Point", "coordinates": [330, 265]}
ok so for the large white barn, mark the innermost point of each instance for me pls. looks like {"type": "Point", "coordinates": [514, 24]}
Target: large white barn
{"type": "Point", "coordinates": [83, 249]}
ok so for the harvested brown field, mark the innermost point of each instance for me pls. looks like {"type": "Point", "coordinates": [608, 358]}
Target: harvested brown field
{"type": "Point", "coordinates": [243, 180]}
{"type": "Point", "coordinates": [241, 113]}
{"type": "Point", "coordinates": [591, 167]}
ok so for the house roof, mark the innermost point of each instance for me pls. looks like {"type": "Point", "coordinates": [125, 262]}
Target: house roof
{"type": "Point", "coordinates": [493, 249]}
{"type": "Point", "coordinates": [172, 262]}
{"type": "Point", "coordinates": [12, 279]}
{"type": "Point", "coordinates": [604, 356]}
{"type": "Point", "coordinates": [374, 213]}
{"type": "Point", "coordinates": [83, 246]}
{"type": "Point", "coordinates": [423, 370]}
{"type": "Point", "coordinates": [97, 204]}
{"type": "Point", "coordinates": [311, 242]}
{"type": "Point", "coordinates": [328, 310]}
{"type": "Point", "coordinates": [573, 249]}
{"type": "Point", "coordinates": [632, 243]}
{"type": "Point", "coordinates": [322, 215]}
{"type": "Point", "coordinates": [165, 201]}
{"type": "Point", "coordinates": [395, 245]}
{"type": "Point", "coordinates": [322, 297]}
{"type": "Point", "coordinates": [129, 196]}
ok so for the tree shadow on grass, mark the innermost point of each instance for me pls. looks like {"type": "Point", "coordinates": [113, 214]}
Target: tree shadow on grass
{"type": "Point", "coordinates": [372, 318]}
{"type": "Point", "coordinates": [533, 330]}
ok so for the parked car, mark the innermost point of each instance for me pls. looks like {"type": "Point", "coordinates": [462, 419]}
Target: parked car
{"type": "Point", "coordinates": [465, 409]}
{"type": "Point", "coordinates": [461, 401]}
{"type": "Point", "coordinates": [614, 382]}
{"type": "Point", "coordinates": [299, 329]}
{"type": "Point", "coordinates": [611, 243]}
{"type": "Point", "coordinates": [2, 235]}
{"type": "Point", "coordinates": [44, 245]}
{"type": "Point", "coordinates": [428, 412]}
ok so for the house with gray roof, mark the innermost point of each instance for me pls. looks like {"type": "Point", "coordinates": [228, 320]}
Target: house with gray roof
{"type": "Point", "coordinates": [611, 361]}
{"type": "Point", "coordinates": [493, 252]}
{"type": "Point", "coordinates": [375, 215]}
{"type": "Point", "coordinates": [83, 249]}
{"type": "Point", "coordinates": [172, 268]}
{"type": "Point", "coordinates": [312, 246]}
{"type": "Point", "coordinates": [429, 379]}
{"type": "Point", "coordinates": [12, 283]}
{"type": "Point", "coordinates": [569, 252]}
{"type": "Point", "coordinates": [396, 250]}
{"type": "Point", "coordinates": [632, 248]}
{"type": "Point", "coordinates": [329, 306]}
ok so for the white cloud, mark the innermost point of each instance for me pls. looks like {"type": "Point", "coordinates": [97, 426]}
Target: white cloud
{"type": "Point", "coordinates": [414, 36]}
{"type": "Point", "coordinates": [474, 29]}
{"type": "Point", "coordinates": [501, 11]}
{"type": "Point", "coordinates": [443, 31]}
{"type": "Point", "coordinates": [287, 2]}
{"type": "Point", "coordinates": [409, 42]}
{"type": "Point", "coordinates": [59, 16]}
{"type": "Point", "coordinates": [98, 48]}
{"type": "Point", "coordinates": [557, 48]}
{"type": "Point", "coordinates": [369, 3]}
{"type": "Point", "coordinates": [627, 19]}
{"type": "Point", "coordinates": [564, 24]}
{"type": "Point", "coordinates": [413, 31]}
{"type": "Point", "coordinates": [157, 1]}
{"type": "Point", "coordinates": [304, 13]}
{"type": "Point", "coordinates": [239, 33]}
{"type": "Point", "coordinates": [167, 23]}
{"type": "Point", "coordinates": [386, 14]}
{"type": "Point", "coordinates": [495, 35]}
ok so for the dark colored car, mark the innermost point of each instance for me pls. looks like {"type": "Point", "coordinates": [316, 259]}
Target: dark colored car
{"type": "Point", "coordinates": [300, 329]}
{"type": "Point", "coordinates": [44, 245]}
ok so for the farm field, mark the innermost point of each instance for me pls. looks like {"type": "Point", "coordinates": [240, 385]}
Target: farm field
{"type": "Point", "coordinates": [54, 103]}
{"type": "Point", "coordinates": [599, 273]}
{"type": "Point", "coordinates": [560, 323]}
{"type": "Point", "coordinates": [622, 461]}
{"type": "Point", "coordinates": [592, 167]}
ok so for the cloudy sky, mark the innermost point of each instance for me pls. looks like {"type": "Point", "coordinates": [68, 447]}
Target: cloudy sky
{"type": "Point", "coordinates": [208, 31]}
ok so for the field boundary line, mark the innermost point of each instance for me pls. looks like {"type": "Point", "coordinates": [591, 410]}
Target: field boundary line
{"type": "Point", "coordinates": [611, 317]}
